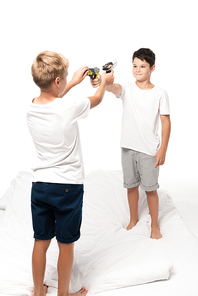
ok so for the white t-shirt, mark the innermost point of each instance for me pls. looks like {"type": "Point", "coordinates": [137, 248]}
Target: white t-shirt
{"type": "Point", "coordinates": [140, 120]}
{"type": "Point", "coordinates": [55, 134]}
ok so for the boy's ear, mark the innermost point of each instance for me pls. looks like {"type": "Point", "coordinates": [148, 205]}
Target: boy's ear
{"type": "Point", "coordinates": [152, 68]}
{"type": "Point", "coordinates": [57, 81]}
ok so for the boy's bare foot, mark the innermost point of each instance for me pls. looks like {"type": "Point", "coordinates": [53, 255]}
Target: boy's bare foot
{"type": "Point", "coordinates": [44, 290]}
{"type": "Point", "coordinates": [155, 233]}
{"type": "Point", "coordinates": [82, 292]}
{"type": "Point", "coordinates": [131, 224]}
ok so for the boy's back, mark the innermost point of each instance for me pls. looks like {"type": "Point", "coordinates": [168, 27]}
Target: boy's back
{"type": "Point", "coordinates": [55, 133]}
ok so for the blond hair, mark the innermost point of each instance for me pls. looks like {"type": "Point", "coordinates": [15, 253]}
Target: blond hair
{"type": "Point", "coordinates": [46, 67]}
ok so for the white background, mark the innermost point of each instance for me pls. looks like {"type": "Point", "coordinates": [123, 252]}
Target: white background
{"type": "Point", "coordinates": [92, 33]}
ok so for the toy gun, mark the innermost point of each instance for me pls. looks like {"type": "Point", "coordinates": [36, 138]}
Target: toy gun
{"type": "Point", "coordinates": [93, 72]}
{"type": "Point", "coordinates": [109, 66]}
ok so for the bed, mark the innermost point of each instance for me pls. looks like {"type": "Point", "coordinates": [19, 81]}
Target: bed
{"type": "Point", "coordinates": [108, 260]}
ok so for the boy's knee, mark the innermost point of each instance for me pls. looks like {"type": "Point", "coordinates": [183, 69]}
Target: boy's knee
{"type": "Point", "coordinates": [65, 246]}
{"type": "Point", "coordinates": [132, 189]}
{"type": "Point", "coordinates": [149, 193]}
{"type": "Point", "coordinates": [42, 244]}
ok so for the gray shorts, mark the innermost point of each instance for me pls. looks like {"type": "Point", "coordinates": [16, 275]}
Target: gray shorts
{"type": "Point", "coordinates": [138, 169]}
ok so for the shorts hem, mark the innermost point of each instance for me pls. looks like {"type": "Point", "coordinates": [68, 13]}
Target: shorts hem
{"type": "Point", "coordinates": [44, 237]}
{"type": "Point", "coordinates": [149, 188]}
{"type": "Point", "coordinates": [131, 185]}
{"type": "Point", "coordinates": [68, 241]}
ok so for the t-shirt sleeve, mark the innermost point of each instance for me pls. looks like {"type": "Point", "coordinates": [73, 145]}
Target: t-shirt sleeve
{"type": "Point", "coordinates": [82, 107]}
{"type": "Point", "coordinates": [164, 104]}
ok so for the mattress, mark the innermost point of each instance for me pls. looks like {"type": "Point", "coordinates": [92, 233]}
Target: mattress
{"type": "Point", "coordinates": [108, 260]}
{"type": "Point", "coordinates": [1, 216]}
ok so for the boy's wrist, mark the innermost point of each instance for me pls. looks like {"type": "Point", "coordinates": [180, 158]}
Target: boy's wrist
{"type": "Point", "coordinates": [164, 149]}
{"type": "Point", "coordinates": [72, 83]}
{"type": "Point", "coordinates": [108, 79]}
{"type": "Point", "coordinates": [103, 81]}
{"type": "Point", "coordinates": [109, 87]}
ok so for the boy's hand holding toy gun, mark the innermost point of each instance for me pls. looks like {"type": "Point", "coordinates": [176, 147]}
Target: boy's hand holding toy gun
{"type": "Point", "coordinates": [94, 75]}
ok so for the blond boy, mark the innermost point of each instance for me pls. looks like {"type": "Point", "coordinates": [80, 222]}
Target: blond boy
{"type": "Point", "coordinates": [57, 187]}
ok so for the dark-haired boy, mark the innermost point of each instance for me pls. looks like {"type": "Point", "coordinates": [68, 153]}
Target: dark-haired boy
{"type": "Point", "coordinates": [142, 154]}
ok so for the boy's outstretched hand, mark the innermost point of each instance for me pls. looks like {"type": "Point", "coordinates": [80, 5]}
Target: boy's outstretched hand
{"type": "Point", "coordinates": [77, 78]}
{"type": "Point", "coordinates": [109, 78]}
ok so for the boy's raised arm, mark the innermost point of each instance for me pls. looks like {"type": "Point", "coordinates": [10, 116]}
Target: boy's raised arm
{"type": "Point", "coordinates": [77, 78]}
{"type": "Point", "coordinates": [106, 81]}
{"type": "Point", "coordinates": [115, 88]}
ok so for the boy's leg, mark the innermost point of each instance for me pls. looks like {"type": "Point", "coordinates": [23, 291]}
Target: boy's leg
{"type": "Point", "coordinates": [38, 266]}
{"type": "Point", "coordinates": [153, 204]}
{"type": "Point", "coordinates": [131, 181]}
{"type": "Point", "coordinates": [149, 183]}
{"type": "Point", "coordinates": [68, 214]}
{"type": "Point", "coordinates": [133, 198]}
{"type": "Point", "coordinates": [65, 264]}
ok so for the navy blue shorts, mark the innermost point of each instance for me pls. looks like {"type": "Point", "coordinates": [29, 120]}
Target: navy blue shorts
{"type": "Point", "coordinates": [57, 211]}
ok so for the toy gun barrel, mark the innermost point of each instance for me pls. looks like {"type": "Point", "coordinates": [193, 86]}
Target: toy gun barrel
{"type": "Point", "coordinates": [93, 72]}
{"type": "Point", "coordinates": [109, 66]}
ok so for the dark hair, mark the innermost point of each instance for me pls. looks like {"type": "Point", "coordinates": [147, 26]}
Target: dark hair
{"type": "Point", "coordinates": [144, 54]}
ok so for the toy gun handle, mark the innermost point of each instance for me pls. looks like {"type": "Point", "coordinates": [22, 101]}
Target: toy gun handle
{"type": "Point", "coordinates": [108, 67]}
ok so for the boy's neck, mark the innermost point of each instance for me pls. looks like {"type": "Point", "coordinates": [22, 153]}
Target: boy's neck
{"type": "Point", "coordinates": [146, 85]}
{"type": "Point", "coordinates": [45, 98]}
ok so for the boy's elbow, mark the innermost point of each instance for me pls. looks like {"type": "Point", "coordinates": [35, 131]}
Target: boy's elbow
{"type": "Point", "coordinates": [166, 123]}
{"type": "Point", "coordinates": [165, 119]}
{"type": "Point", "coordinates": [95, 101]}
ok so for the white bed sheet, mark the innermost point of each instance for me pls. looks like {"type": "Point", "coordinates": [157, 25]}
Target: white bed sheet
{"type": "Point", "coordinates": [1, 216]}
{"type": "Point", "coordinates": [106, 256]}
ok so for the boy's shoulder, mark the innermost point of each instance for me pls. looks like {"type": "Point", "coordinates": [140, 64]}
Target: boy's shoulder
{"type": "Point", "coordinates": [160, 89]}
